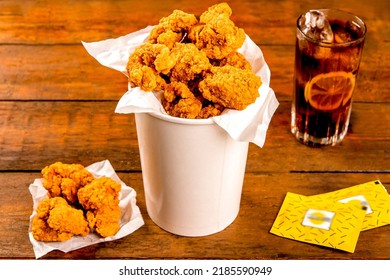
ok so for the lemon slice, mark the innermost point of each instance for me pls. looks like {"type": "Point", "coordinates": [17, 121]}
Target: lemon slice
{"type": "Point", "coordinates": [329, 91]}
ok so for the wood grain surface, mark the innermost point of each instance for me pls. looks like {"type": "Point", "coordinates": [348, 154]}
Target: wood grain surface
{"type": "Point", "coordinates": [57, 104]}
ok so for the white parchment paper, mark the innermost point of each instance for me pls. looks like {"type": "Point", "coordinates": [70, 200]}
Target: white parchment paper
{"type": "Point", "coordinates": [248, 125]}
{"type": "Point", "coordinates": [130, 219]}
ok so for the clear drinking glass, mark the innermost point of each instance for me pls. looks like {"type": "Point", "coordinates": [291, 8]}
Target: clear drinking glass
{"type": "Point", "coordinates": [329, 46]}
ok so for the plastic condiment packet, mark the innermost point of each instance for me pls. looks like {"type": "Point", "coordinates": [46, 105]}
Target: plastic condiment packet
{"type": "Point", "coordinates": [371, 196]}
{"type": "Point", "coordinates": [130, 219]}
{"type": "Point", "coordinates": [318, 221]}
{"type": "Point", "coordinates": [249, 125]}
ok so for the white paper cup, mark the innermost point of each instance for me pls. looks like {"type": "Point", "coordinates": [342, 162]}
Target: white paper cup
{"type": "Point", "coordinates": [193, 173]}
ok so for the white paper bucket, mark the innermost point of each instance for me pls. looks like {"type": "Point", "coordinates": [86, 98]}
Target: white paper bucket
{"type": "Point", "coordinates": [193, 173]}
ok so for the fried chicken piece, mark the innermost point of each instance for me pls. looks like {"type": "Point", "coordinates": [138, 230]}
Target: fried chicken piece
{"type": "Point", "coordinates": [64, 180]}
{"type": "Point", "coordinates": [101, 200]}
{"type": "Point", "coordinates": [230, 87]}
{"type": "Point", "coordinates": [172, 29]}
{"type": "Point", "coordinates": [234, 59]}
{"type": "Point", "coordinates": [210, 110]}
{"type": "Point", "coordinates": [179, 101]}
{"type": "Point", "coordinates": [216, 34]}
{"type": "Point", "coordinates": [190, 62]}
{"type": "Point", "coordinates": [56, 220]}
{"type": "Point", "coordinates": [169, 38]}
{"type": "Point", "coordinates": [147, 65]}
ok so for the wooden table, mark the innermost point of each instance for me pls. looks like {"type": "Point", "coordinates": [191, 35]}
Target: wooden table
{"type": "Point", "coordinates": [57, 104]}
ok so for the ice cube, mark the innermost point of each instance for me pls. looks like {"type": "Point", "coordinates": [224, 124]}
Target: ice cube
{"type": "Point", "coordinates": [315, 25]}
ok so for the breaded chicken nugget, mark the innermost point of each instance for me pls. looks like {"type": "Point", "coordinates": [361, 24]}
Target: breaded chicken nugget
{"type": "Point", "coordinates": [172, 29]}
{"type": "Point", "coordinates": [235, 59]}
{"type": "Point", "coordinates": [216, 34]}
{"type": "Point", "coordinates": [147, 65]}
{"type": "Point", "coordinates": [230, 87]}
{"type": "Point", "coordinates": [209, 110]}
{"type": "Point", "coordinates": [64, 180]}
{"type": "Point", "coordinates": [190, 62]}
{"type": "Point", "coordinates": [56, 220]}
{"type": "Point", "coordinates": [101, 200]}
{"type": "Point", "coordinates": [179, 101]}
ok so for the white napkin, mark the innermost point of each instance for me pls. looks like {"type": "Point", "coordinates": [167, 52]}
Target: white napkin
{"type": "Point", "coordinates": [249, 125]}
{"type": "Point", "coordinates": [130, 219]}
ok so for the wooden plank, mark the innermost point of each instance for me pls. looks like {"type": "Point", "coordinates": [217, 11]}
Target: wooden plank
{"type": "Point", "coordinates": [56, 73]}
{"type": "Point", "coordinates": [53, 23]}
{"type": "Point", "coordinates": [247, 238]}
{"type": "Point", "coordinates": [26, 22]}
{"type": "Point", "coordinates": [86, 132]}
{"type": "Point", "coordinates": [58, 131]}
{"type": "Point", "coordinates": [69, 73]}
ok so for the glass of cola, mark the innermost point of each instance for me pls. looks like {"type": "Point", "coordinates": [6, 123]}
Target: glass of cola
{"type": "Point", "coordinates": [329, 46]}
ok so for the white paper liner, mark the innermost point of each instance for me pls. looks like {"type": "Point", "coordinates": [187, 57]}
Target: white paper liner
{"type": "Point", "coordinates": [248, 125]}
{"type": "Point", "coordinates": [130, 219]}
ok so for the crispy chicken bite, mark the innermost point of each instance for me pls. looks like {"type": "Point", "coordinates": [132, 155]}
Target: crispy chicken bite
{"type": "Point", "coordinates": [147, 65]}
{"type": "Point", "coordinates": [190, 62]}
{"type": "Point", "coordinates": [64, 180]}
{"type": "Point", "coordinates": [179, 101]}
{"type": "Point", "coordinates": [101, 200]}
{"type": "Point", "coordinates": [230, 87]}
{"type": "Point", "coordinates": [196, 63]}
{"type": "Point", "coordinates": [235, 59]}
{"type": "Point", "coordinates": [216, 34]}
{"type": "Point", "coordinates": [56, 220]}
{"type": "Point", "coordinates": [172, 29]}
{"type": "Point", "coordinates": [210, 110]}
{"type": "Point", "coordinates": [222, 9]}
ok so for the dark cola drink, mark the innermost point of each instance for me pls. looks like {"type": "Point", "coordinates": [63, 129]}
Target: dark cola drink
{"type": "Point", "coordinates": [329, 45]}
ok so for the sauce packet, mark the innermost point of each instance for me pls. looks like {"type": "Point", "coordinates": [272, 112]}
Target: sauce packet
{"type": "Point", "coordinates": [371, 196]}
{"type": "Point", "coordinates": [319, 221]}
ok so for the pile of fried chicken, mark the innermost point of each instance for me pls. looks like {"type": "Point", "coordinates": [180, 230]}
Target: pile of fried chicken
{"type": "Point", "coordinates": [77, 204]}
{"type": "Point", "coordinates": [196, 63]}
